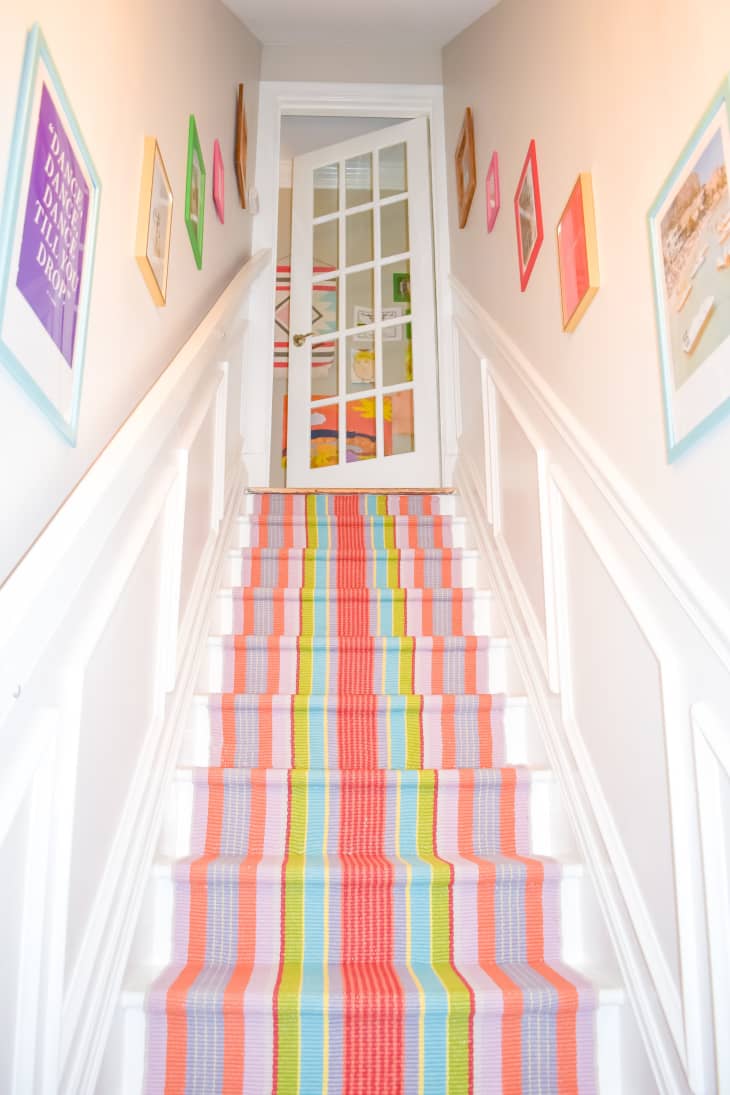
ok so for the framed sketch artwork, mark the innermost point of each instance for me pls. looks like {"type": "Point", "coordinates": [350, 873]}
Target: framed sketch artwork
{"type": "Point", "coordinates": [195, 193]}
{"type": "Point", "coordinates": [154, 222]}
{"type": "Point", "coordinates": [47, 237]}
{"type": "Point", "coordinates": [528, 217]}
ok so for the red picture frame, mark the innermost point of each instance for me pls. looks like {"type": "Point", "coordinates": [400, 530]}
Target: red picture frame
{"type": "Point", "coordinates": [492, 191]}
{"type": "Point", "coordinates": [218, 181]}
{"type": "Point", "coordinates": [528, 217]}
{"type": "Point", "coordinates": [577, 253]}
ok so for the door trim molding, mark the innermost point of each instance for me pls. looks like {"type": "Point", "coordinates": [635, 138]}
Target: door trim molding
{"type": "Point", "coordinates": [278, 99]}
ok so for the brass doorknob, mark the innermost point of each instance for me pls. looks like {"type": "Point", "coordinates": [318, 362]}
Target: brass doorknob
{"type": "Point", "coordinates": [299, 340]}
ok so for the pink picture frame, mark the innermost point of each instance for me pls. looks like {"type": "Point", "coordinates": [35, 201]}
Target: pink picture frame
{"type": "Point", "coordinates": [577, 253]}
{"type": "Point", "coordinates": [492, 191]}
{"type": "Point", "coordinates": [528, 217]}
{"type": "Point", "coordinates": [218, 181]}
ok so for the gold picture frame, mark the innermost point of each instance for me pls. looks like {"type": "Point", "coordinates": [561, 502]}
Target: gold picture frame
{"type": "Point", "coordinates": [466, 168]}
{"type": "Point", "coordinates": [578, 253]}
{"type": "Point", "coordinates": [241, 146]}
{"type": "Point", "coordinates": [154, 222]}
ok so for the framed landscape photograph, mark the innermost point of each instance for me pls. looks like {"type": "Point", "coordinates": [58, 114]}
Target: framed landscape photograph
{"type": "Point", "coordinates": [528, 217]}
{"type": "Point", "coordinates": [154, 222]}
{"type": "Point", "coordinates": [466, 169]}
{"type": "Point", "coordinates": [195, 192]}
{"type": "Point", "coordinates": [493, 196]}
{"type": "Point", "coordinates": [689, 231]}
{"type": "Point", "coordinates": [241, 146]}
{"type": "Point", "coordinates": [218, 181]}
{"type": "Point", "coordinates": [48, 223]}
{"type": "Point", "coordinates": [577, 253]}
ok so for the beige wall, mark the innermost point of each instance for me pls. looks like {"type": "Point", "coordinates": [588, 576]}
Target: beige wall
{"type": "Point", "coordinates": [615, 89]}
{"type": "Point", "coordinates": [130, 68]}
{"type": "Point", "coordinates": [380, 62]}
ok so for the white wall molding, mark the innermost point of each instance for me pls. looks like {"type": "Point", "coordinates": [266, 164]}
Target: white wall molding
{"type": "Point", "coordinates": [101, 629]}
{"type": "Point", "coordinates": [277, 99]}
{"type": "Point", "coordinates": [681, 625]}
{"type": "Point", "coordinates": [709, 615]}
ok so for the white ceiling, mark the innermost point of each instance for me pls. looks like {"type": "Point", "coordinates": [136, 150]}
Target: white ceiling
{"type": "Point", "coordinates": [420, 22]}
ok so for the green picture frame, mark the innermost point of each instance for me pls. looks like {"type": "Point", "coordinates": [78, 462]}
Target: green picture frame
{"type": "Point", "coordinates": [402, 288]}
{"type": "Point", "coordinates": [195, 176]}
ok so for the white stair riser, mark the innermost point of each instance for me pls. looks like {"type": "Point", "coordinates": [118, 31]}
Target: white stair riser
{"type": "Point", "coordinates": [486, 617]}
{"type": "Point", "coordinates": [503, 673]}
{"type": "Point", "coordinates": [522, 742]}
{"type": "Point", "coordinates": [547, 821]}
{"type": "Point", "coordinates": [461, 536]}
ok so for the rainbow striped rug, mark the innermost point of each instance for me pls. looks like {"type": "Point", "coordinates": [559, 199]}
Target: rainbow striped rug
{"type": "Point", "coordinates": [360, 912]}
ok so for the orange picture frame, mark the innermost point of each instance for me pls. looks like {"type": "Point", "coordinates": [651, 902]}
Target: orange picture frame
{"type": "Point", "coordinates": [577, 253]}
{"type": "Point", "coordinates": [241, 155]}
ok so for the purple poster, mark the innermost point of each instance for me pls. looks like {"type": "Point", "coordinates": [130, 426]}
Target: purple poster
{"type": "Point", "coordinates": [54, 233]}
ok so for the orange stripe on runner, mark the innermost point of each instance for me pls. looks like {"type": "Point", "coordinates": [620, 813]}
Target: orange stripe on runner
{"type": "Point", "coordinates": [486, 733]}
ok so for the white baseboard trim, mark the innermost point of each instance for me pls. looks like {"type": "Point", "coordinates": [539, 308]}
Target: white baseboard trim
{"type": "Point", "coordinates": [94, 989]}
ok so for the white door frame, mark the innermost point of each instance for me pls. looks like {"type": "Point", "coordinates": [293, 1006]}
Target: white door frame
{"type": "Point", "coordinates": [276, 100]}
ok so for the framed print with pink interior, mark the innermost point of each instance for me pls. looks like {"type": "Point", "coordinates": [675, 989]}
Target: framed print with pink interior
{"type": "Point", "coordinates": [218, 181]}
{"type": "Point", "coordinates": [528, 217]}
{"type": "Point", "coordinates": [48, 222]}
{"type": "Point", "coordinates": [493, 197]}
{"type": "Point", "coordinates": [577, 253]}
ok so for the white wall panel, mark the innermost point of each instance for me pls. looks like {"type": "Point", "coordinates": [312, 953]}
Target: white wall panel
{"type": "Point", "coordinates": [198, 505]}
{"type": "Point", "coordinates": [13, 866]}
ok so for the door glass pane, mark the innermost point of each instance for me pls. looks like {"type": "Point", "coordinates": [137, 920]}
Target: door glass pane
{"type": "Point", "coordinates": [325, 374]}
{"type": "Point", "coordinates": [397, 354]}
{"type": "Point", "coordinates": [326, 190]}
{"type": "Point", "coordinates": [393, 174]}
{"type": "Point", "coordinates": [325, 298]}
{"type": "Point", "coordinates": [324, 439]}
{"type": "Point", "coordinates": [395, 285]}
{"type": "Point", "coordinates": [361, 430]}
{"type": "Point", "coordinates": [360, 298]}
{"type": "Point", "coordinates": [360, 361]}
{"type": "Point", "coordinates": [398, 433]}
{"type": "Point", "coordinates": [360, 238]}
{"type": "Point", "coordinates": [359, 180]}
{"type": "Point", "coordinates": [326, 243]}
{"type": "Point", "coordinates": [394, 228]}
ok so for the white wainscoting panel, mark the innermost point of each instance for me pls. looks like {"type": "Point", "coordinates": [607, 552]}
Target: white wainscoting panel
{"type": "Point", "coordinates": [101, 635]}
{"type": "Point", "coordinates": [603, 608]}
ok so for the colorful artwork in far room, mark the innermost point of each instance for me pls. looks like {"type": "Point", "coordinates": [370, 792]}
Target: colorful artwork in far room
{"type": "Point", "coordinates": [47, 245]}
{"type": "Point", "coordinates": [324, 316]}
{"type": "Point", "coordinates": [219, 200]}
{"type": "Point", "coordinates": [689, 229]}
{"type": "Point", "coordinates": [360, 430]}
{"type": "Point", "coordinates": [492, 187]}
{"type": "Point", "coordinates": [528, 217]}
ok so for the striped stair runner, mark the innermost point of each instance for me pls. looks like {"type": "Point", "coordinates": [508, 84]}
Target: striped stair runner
{"type": "Point", "coordinates": [360, 913]}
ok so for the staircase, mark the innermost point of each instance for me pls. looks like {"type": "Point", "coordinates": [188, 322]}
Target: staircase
{"type": "Point", "coordinates": [366, 882]}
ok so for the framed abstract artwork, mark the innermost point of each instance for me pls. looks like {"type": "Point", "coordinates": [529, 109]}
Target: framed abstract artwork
{"type": "Point", "coordinates": [218, 181]}
{"type": "Point", "coordinates": [577, 253]}
{"type": "Point", "coordinates": [402, 287]}
{"type": "Point", "coordinates": [154, 222]}
{"type": "Point", "coordinates": [689, 232]}
{"type": "Point", "coordinates": [493, 196]}
{"type": "Point", "coordinates": [241, 146]}
{"type": "Point", "coordinates": [195, 192]}
{"type": "Point", "coordinates": [48, 225]}
{"type": "Point", "coordinates": [528, 217]}
{"type": "Point", "coordinates": [466, 169]}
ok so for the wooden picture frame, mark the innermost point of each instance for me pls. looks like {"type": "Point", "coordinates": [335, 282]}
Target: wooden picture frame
{"type": "Point", "coordinates": [528, 217]}
{"type": "Point", "coordinates": [577, 253]}
{"type": "Point", "coordinates": [466, 168]}
{"type": "Point", "coordinates": [241, 155]}
{"type": "Point", "coordinates": [154, 222]}
{"type": "Point", "coordinates": [492, 191]}
{"type": "Point", "coordinates": [195, 176]}
{"type": "Point", "coordinates": [46, 275]}
{"type": "Point", "coordinates": [219, 200]}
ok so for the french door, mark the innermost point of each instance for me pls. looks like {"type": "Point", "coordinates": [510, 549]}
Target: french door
{"type": "Point", "coordinates": [363, 386]}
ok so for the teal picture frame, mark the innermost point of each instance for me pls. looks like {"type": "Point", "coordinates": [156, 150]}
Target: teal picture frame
{"type": "Point", "coordinates": [195, 176]}
{"type": "Point", "coordinates": [26, 350]}
{"type": "Point", "coordinates": [689, 240]}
